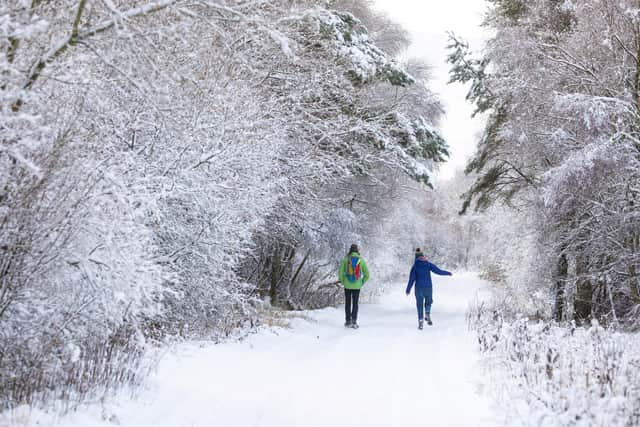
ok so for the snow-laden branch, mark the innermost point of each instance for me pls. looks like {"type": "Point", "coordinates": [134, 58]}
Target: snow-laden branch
{"type": "Point", "coordinates": [58, 47]}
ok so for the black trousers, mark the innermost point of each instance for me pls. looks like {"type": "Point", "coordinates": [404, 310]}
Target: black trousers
{"type": "Point", "coordinates": [351, 297]}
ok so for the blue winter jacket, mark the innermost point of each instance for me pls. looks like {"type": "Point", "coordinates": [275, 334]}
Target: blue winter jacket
{"type": "Point", "coordinates": [421, 273]}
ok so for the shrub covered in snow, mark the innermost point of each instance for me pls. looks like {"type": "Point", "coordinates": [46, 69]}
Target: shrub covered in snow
{"type": "Point", "coordinates": [544, 374]}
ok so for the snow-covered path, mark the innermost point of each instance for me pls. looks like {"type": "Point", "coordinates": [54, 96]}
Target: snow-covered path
{"type": "Point", "coordinates": [317, 373]}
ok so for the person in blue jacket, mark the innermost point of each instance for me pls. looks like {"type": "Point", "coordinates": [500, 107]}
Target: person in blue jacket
{"type": "Point", "coordinates": [421, 277]}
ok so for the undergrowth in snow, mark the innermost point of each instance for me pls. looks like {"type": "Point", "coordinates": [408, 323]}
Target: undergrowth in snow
{"type": "Point", "coordinates": [546, 374]}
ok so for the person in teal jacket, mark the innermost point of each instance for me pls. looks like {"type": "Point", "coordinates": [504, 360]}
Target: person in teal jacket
{"type": "Point", "coordinates": [353, 274]}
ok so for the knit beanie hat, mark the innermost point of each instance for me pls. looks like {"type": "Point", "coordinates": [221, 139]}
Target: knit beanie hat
{"type": "Point", "coordinates": [419, 253]}
{"type": "Point", "coordinates": [353, 248]}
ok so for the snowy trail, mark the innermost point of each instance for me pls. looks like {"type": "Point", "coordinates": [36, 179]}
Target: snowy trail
{"type": "Point", "coordinates": [318, 373]}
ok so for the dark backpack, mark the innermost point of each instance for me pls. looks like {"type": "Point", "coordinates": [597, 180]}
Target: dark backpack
{"type": "Point", "coordinates": [353, 269]}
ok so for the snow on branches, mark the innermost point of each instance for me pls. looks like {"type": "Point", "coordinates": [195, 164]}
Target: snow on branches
{"type": "Point", "coordinates": [560, 142]}
{"type": "Point", "coordinates": [150, 150]}
{"type": "Point", "coordinates": [367, 62]}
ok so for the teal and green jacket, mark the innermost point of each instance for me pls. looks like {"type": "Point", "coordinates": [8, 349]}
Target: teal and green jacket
{"type": "Point", "coordinates": [342, 273]}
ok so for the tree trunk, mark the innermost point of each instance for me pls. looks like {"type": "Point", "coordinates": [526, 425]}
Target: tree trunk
{"type": "Point", "coordinates": [274, 279]}
{"type": "Point", "coordinates": [559, 288]}
{"type": "Point", "coordinates": [582, 307]}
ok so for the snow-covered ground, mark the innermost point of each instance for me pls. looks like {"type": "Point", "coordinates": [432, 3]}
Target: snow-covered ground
{"type": "Point", "coordinates": [317, 373]}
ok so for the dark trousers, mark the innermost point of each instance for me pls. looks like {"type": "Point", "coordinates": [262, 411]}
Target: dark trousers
{"type": "Point", "coordinates": [351, 297]}
{"type": "Point", "coordinates": [424, 299]}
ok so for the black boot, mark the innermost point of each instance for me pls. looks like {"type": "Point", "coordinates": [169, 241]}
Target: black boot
{"type": "Point", "coordinates": [427, 317]}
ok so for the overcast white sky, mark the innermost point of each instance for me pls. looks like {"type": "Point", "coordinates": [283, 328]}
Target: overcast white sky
{"type": "Point", "coordinates": [428, 22]}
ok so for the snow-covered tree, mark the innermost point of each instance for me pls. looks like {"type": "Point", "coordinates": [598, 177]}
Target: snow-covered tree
{"type": "Point", "coordinates": [559, 81]}
{"type": "Point", "coordinates": [152, 151]}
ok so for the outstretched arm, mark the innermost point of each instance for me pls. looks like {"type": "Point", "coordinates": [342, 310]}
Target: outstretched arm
{"type": "Point", "coordinates": [439, 272]}
{"type": "Point", "coordinates": [412, 279]}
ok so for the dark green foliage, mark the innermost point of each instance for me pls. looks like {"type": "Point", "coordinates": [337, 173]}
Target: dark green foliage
{"type": "Point", "coordinates": [487, 185]}
{"type": "Point", "coordinates": [398, 77]}
{"type": "Point", "coordinates": [400, 132]}
{"type": "Point", "coordinates": [430, 145]}
{"type": "Point", "coordinates": [497, 178]}
{"type": "Point", "coordinates": [502, 179]}
{"type": "Point", "coordinates": [353, 43]}
{"type": "Point", "coordinates": [512, 10]}
{"type": "Point", "coordinates": [465, 69]}
{"type": "Point", "coordinates": [489, 144]}
{"type": "Point", "coordinates": [419, 141]}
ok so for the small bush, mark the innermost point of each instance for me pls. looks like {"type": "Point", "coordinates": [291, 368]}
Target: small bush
{"type": "Point", "coordinates": [564, 375]}
{"type": "Point", "coordinates": [34, 375]}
